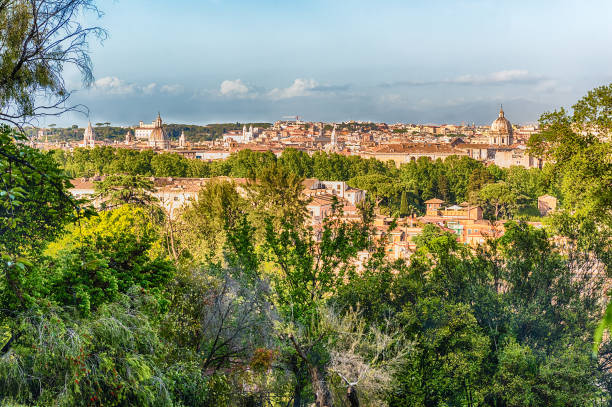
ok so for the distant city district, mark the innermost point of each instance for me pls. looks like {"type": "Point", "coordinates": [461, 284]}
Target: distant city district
{"type": "Point", "coordinates": [501, 143]}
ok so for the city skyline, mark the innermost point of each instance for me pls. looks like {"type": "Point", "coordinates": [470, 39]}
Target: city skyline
{"type": "Point", "coordinates": [448, 62]}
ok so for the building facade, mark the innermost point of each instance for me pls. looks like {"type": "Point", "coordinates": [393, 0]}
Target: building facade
{"type": "Point", "coordinates": [501, 131]}
{"type": "Point", "coordinates": [89, 137]}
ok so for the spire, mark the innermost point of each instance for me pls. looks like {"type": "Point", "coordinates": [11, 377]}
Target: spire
{"type": "Point", "coordinates": [501, 110]}
{"type": "Point", "coordinates": [89, 136]}
{"type": "Point", "coordinates": [333, 136]}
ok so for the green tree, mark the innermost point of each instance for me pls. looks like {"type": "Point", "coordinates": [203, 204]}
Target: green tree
{"type": "Point", "coordinates": [593, 113]}
{"type": "Point", "coordinates": [297, 162]}
{"type": "Point", "coordinates": [34, 207]}
{"type": "Point", "coordinates": [381, 188]}
{"type": "Point", "coordinates": [306, 273]}
{"type": "Point", "coordinates": [117, 190]}
{"type": "Point", "coordinates": [457, 173]}
{"type": "Point", "coordinates": [39, 40]}
{"type": "Point", "coordinates": [560, 380]}
{"type": "Point", "coordinates": [579, 151]}
{"type": "Point", "coordinates": [113, 358]}
{"type": "Point", "coordinates": [204, 225]}
{"type": "Point", "coordinates": [277, 196]}
{"type": "Point", "coordinates": [248, 163]}
{"type": "Point", "coordinates": [169, 165]}
{"type": "Point", "coordinates": [499, 200]}
{"type": "Point", "coordinates": [107, 254]}
{"type": "Point", "coordinates": [478, 179]}
{"type": "Point", "coordinates": [404, 211]}
{"type": "Point", "coordinates": [519, 291]}
{"type": "Point", "coordinates": [446, 366]}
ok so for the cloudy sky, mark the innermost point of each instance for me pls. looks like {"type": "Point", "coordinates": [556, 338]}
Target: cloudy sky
{"type": "Point", "coordinates": [429, 61]}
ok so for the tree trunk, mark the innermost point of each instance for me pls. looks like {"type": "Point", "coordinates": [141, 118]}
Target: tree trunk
{"type": "Point", "coordinates": [351, 395]}
{"type": "Point", "coordinates": [319, 386]}
{"type": "Point", "coordinates": [172, 245]}
{"type": "Point", "coordinates": [8, 345]}
{"type": "Point", "coordinates": [299, 381]}
{"type": "Point", "coordinates": [317, 379]}
{"type": "Point", "coordinates": [297, 395]}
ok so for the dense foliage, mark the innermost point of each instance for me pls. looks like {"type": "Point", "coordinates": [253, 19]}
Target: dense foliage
{"type": "Point", "coordinates": [239, 301]}
{"type": "Point", "coordinates": [246, 305]}
{"type": "Point", "coordinates": [503, 193]}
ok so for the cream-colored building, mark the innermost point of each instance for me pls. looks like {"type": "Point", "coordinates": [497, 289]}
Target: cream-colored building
{"type": "Point", "coordinates": [407, 152]}
{"type": "Point", "coordinates": [546, 204]}
{"type": "Point", "coordinates": [508, 157]}
{"type": "Point", "coordinates": [154, 133]}
{"type": "Point", "coordinates": [314, 187]}
{"type": "Point", "coordinates": [143, 131]}
{"type": "Point", "coordinates": [245, 137]}
{"type": "Point", "coordinates": [501, 132]}
{"type": "Point", "coordinates": [129, 139]}
{"type": "Point", "coordinates": [89, 137]}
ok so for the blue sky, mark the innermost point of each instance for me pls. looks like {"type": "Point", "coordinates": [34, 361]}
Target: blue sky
{"type": "Point", "coordinates": [411, 61]}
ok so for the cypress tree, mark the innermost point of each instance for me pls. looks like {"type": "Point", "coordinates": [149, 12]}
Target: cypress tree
{"type": "Point", "coordinates": [404, 205]}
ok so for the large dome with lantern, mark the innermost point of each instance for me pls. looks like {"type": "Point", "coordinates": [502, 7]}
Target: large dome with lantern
{"type": "Point", "coordinates": [501, 124]}
{"type": "Point", "coordinates": [501, 130]}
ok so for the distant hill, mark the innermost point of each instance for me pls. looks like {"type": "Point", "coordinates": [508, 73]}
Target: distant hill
{"type": "Point", "coordinates": [206, 133]}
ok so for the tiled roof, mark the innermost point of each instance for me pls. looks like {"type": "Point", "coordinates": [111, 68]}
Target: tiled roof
{"type": "Point", "coordinates": [413, 148]}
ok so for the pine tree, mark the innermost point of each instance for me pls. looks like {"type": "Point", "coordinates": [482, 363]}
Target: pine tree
{"type": "Point", "coordinates": [404, 205]}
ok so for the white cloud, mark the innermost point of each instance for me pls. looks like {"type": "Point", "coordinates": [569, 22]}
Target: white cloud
{"type": "Point", "coordinates": [149, 89]}
{"type": "Point", "coordinates": [299, 87]}
{"type": "Point", "coordinates": [113, 86]}
{"type": "Point", "coordinates": [391, 98]}
{"type": "Point", "coordinates": [233, 88]}
{"type": "Point", "coordinates": [549, 86]}
{"type": "Point", "coordinates": [509, 76]}
{"type": "Point", "coordinates": [172, 89]}
{"type": "Point", "coordinates": [512, 75]}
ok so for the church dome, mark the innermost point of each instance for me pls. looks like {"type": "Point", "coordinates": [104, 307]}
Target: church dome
{"type": "Point", "coordinates": [501, 125]}
{"type": "Point", "coordinates": [157, 134]}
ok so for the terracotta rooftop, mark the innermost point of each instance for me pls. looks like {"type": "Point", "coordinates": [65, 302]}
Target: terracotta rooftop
{"type": "Point", "coordinates": [414, 148]}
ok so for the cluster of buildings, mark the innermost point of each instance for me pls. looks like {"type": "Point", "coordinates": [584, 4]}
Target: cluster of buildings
{"type": "Point", "coordinates": [501, 143]}
{"type": "Point", "coordinates": [145, 136]}
{"type": "Point", "coordinates": [496, 144]}
{"type": "Point", "coordinates": [464, 220]}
